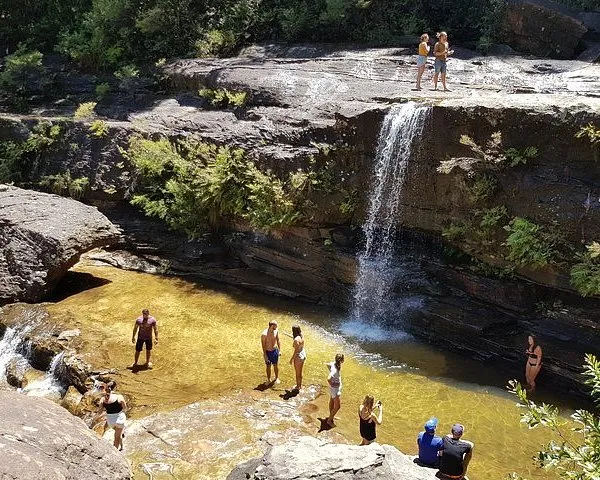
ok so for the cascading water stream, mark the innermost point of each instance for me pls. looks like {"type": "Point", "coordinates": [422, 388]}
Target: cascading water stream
{"type": "Point", "coordinates": [400, 133]}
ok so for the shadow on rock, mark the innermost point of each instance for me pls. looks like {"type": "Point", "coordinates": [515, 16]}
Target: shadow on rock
{"type": "Point", "coordinates": [290, 393]}
{"type": "Point", "coordinates": [74, 283]}
{"type": "Point", "coordinates": [325, 425]}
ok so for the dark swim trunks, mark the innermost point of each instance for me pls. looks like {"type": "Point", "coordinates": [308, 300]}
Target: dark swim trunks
{"type": "Point", "coordinates": [139, 345]}
{"type": "Point", "coordinates": [272, 357]}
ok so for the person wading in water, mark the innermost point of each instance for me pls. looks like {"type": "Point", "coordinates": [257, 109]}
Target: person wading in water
{"type": "Point", "coordinates": [534, 362]}
{"type": "Point", "coordinates": [271, 347]}
{"type": "Point", "coordinates": [335, 387]}
{"type": "Point", "coordinates": [144, 326]}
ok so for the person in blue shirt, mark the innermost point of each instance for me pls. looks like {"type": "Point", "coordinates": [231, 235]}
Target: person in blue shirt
{"type": "Point", "coordinates": [429, 444]}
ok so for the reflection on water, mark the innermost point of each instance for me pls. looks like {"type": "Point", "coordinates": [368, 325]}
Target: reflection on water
{"type": "Point", "coordinates": [210, 346]}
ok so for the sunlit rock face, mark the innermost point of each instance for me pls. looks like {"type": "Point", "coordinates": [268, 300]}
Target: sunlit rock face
{"type": "Point", "coordinates": [41, 237]}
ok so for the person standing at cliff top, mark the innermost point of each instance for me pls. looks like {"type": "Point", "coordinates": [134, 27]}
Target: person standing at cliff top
{"type": "Point", "coordinates": [422, 58]}
{"type": "Point", "coordinates": [441, 52]}
{"type": "Point", "coordinates": [144, 326]}
{"type": "Point", "coordinates": [271, 347]}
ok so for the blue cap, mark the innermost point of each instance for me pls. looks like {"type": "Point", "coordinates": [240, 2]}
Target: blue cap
{"type": "Point", "coordinates": [431, 424]}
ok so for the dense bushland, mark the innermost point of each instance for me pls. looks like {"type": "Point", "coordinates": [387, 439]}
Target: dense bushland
{"type": "Point", "coordinates": [107, 34]}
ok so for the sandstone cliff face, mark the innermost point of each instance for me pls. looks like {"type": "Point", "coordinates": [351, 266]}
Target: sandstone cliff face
{"type": "Point", "coordinates": [41, 237]}
{"type": "Point", "coordinates": [543, 28]}
{"type": "Point", "coordinates": [313, 102]}
{"type": "Point", "coordinates": [40, 439]}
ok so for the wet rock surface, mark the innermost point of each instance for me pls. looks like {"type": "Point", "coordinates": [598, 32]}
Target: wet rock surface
{"type": "Point", "coordinates": [41, 237]}
{"type": "Point", "coordinates": [313, 458]}
{"type": "Point", "coordinates": [40, 439]}
{"type": "Point", "coordinates": [192, 438]}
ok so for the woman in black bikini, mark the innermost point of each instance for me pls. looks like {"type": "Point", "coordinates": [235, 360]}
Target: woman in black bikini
{"type": "Point", "coordinates": [534, 362]}
{"type": "Point", "coordinates": [368, 419]}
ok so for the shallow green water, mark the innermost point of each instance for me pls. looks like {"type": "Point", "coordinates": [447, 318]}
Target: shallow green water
{"type": "Point", "coordinates": [210, 346]}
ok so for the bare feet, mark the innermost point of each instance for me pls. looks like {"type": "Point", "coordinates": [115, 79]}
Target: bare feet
{"type": "Point", "coordinates": [149, 365]}
{"type": "Point", "coordinates": [277, 381]}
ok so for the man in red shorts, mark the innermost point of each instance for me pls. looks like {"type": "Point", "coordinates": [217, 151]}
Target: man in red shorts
{"type": "Point", "coordinates": [144, 326]}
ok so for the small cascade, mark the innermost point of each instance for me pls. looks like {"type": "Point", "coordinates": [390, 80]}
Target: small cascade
{"type": "Point", "coordinates": [49, 385]}
{"type": "Point", "coordinates": [400, 133]}
{"type": "Point", "coordinates": [11, 344]}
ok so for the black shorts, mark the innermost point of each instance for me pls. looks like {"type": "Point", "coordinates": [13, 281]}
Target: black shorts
{"type": "Point", "coordinates": [139, 345]}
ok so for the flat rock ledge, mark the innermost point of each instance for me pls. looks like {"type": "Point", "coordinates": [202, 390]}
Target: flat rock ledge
{"type": "Point", "coordinates": [309, 457]}
{"type": "Point", "coordinates": [41, 440]}
{"type": "Point", "coordinates": [41, 237]}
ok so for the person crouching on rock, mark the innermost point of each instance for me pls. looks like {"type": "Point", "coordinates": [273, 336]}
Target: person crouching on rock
{"type": "Point", "coordinates": [335, 387]}
{"type": "Point", "coordinates": [368, 419]}
{"type": "Point", "coordinates": [144, 326]}
{"type": "Point", "coordinates": [456, 454]}
{"type": "Point", "coordinates": [115, 406]}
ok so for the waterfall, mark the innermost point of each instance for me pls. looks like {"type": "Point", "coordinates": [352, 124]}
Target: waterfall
{"type": "Point", "coordinates": [14, 346]}
{"type": "Point", "coordinates": [400, 133]}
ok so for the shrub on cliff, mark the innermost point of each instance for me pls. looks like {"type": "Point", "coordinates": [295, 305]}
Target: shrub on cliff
{"type": "Point", "coordinates": [574, 456]}
{"type": "Point", "coordinates": [585, 275]}
{"type": "Point", "coordinates": [192, 186]}
{"type": "Point", "coordinates": [529, 245]}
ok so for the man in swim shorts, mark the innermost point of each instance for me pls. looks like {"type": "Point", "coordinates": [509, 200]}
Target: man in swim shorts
{"type": "Point", "coordinates": [271, 349]}
{"type": "Point", "coordinates": [144, 326]}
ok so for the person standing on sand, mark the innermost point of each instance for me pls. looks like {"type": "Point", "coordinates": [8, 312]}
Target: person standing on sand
{"type": "Point", "coordinates": [271, 348]}
{"type": "Point", "coordinates": [422, 58]}
{"type": "Point", "coordinates": [115, 406]}
{"type": "Point", "coordinates": [441, 52]}
{"type": "Point", "coordinates": [534, 362]}
{"type": "Point", "coordinates": [335, 387]}
{"type": "Point", "coordinates": [144, 326]}
{"type": "Point", "coordinates": [299, 355]}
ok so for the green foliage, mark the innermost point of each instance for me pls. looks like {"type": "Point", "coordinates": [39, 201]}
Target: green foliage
{"type": "Point", "coordinates": [516, 157]}
{"type": "Point", "coordinates": [215, 42]}
{"type": "Point", "coordinates": [529, 244]}
{"type": "Point", "coordinates": [487, 157]}
{"type": "Point", "coordinates": [99, 128]}
{"type": "Point", "coordinates": [573, 456]}
{"type": "Point", "coordinates": [18, 159]}
{"type": "Point", "coordinates": [350, 202]}
{"type": "Point", "coordinates": [591, 132]}
{"type": "Point", "coordinates": [585, 275]}
{"type": "Point", "coordinates": [64, 184]}
{"type": "Point", "coordinates": [482, 188]}
{"type": "Point", "coordinates": [22, 76]}
{"type": "Point", "coordinates": [456, 231]}
{"type": "Point", "coordinates": [85, 111]}
{"type": "Point", "coordinates": [223, 98]}
{"type": "Point", "coordinates": [190, 185]}
{"type": "Point", "coordinates": [102, 90]}
{"type": "Point", "coordinates": [491, 217]}
{"type": "Point", "coordinates": [127, 71]}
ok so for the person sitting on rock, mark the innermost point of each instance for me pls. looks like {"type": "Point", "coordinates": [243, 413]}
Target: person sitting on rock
{"type": "Point", "coordinates": [456, 454]}
{"type": "Point", "coordinates": [115, 406]}
{"type": "Point", "coordinates": [144, 326]}
{"type": "Point", "coordinates": [429, 444]}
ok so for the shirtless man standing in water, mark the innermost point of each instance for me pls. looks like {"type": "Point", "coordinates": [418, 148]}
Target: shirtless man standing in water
{"type": "Point", "coordinates": [271, 349]}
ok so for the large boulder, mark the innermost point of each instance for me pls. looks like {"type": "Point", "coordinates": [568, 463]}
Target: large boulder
{"type": "Point", "coordinates": [543, 28]}
{"type": "Point", "coordinates": [39, 439]}
{"type": "Point", "coordinates": [41, 237]}
{"type": "Point", "coordinates": [311, 458]}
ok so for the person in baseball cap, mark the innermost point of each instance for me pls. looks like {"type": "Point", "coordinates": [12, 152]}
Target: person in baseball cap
{"type": "Point", "coordinates": [429, 444]}
{"type": "Point", "coordinates": [456, 454]}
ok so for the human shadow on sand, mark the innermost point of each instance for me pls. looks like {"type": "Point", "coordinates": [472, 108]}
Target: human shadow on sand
{"type": "Point", "coordinates": [290, 393]}
{"type": "Point", "coordinates": [261, 387]}
{"type": "Point", "coordinates": [325, 425]}
{"type": "Point", "coordinates": [138, 368]}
